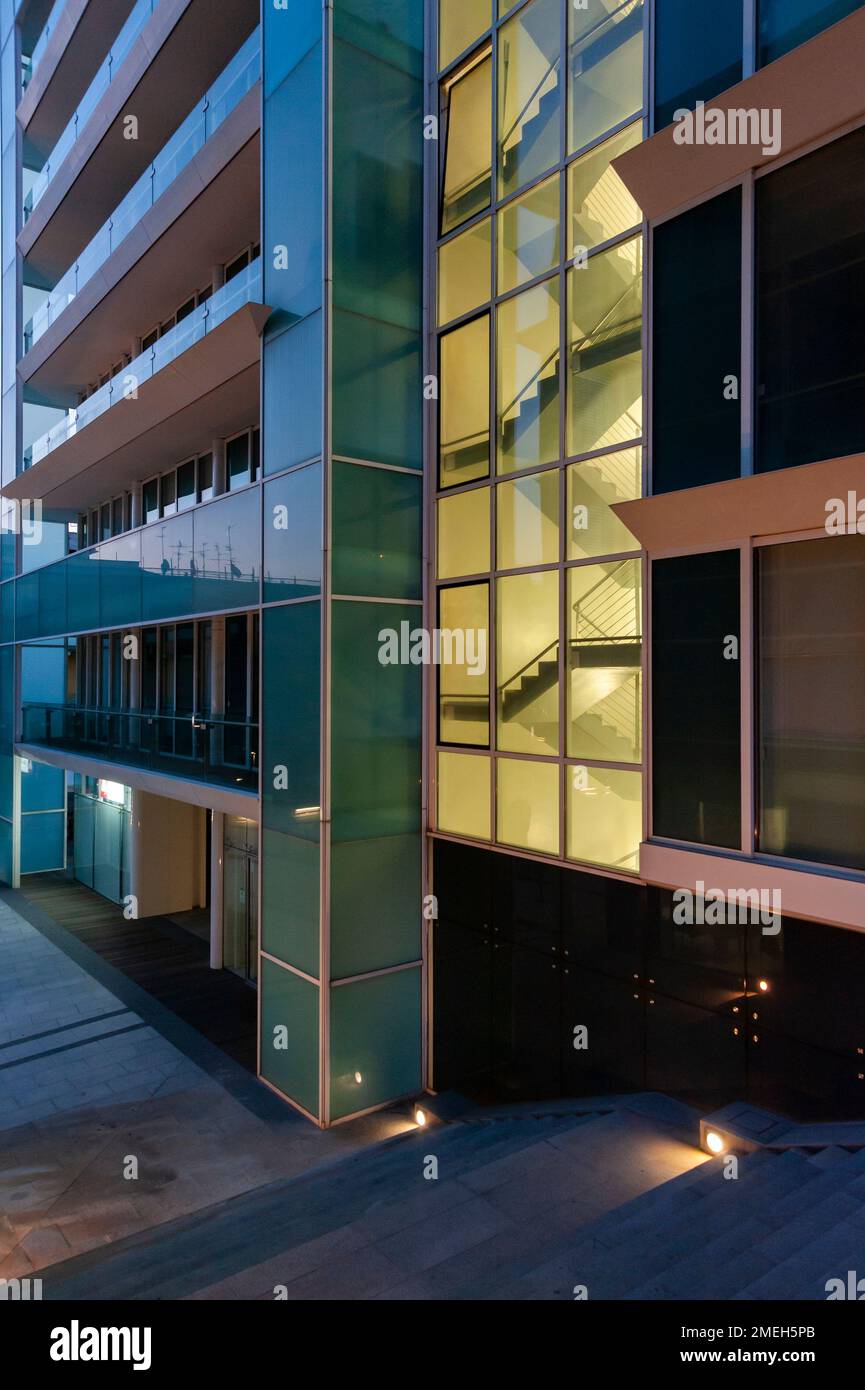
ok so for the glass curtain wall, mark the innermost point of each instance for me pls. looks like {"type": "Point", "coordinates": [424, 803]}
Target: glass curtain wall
{"type": "Point", "coordinates": [539, 300]}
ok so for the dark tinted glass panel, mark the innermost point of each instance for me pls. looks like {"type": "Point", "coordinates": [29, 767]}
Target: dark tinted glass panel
{"type": "Point", "coordinates": [186, 485]}
{"type": "Point", "coordinates": [151, 501]}
{"type": "Point", "coordinates": [695, 699]}
{"type": "Point", "coordinates": [784, 24]}
{"type": "Point", "coordinates": [812, 700]}
{"type": "Point", "coordinates": [698, 53]}
{"type": "Point", "coordinates": [810, 366]}
{"type": "Point", "coordinates": [697, 332]}
{"type": "Point", "coordinates": [237, 461]}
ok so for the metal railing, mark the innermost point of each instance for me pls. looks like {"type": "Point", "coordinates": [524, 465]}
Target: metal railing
{"type": "Point", "coordinates": [201, 124]}
{"type": "Point", "coordinates": [195, 746]}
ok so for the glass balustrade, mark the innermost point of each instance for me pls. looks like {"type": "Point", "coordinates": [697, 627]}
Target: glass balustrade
{"type": "Point", "coordinates": [182, 745]}
{"type": "Point", "coordinates": [201, 124]}
{"type": "Point", "coordinates": [30, 63]}
{"type": "Point", "coordinates": [206, 560]}
{"type": "Point", "coordinates": [100, 84]}
{"type": "Point", "coordinates": [244, 288]}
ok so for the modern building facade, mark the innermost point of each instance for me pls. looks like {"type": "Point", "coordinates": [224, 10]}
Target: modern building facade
{"type": "Point", "coordinates": [421, 433]}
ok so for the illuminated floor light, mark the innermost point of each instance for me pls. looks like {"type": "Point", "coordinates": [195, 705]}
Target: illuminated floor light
{"type": "Point", "coordinates": [763, 986]}
{"type": "Point", "coordinates": [714, 1142]}
{"type": "Point", "coordinates": [420, 1117]}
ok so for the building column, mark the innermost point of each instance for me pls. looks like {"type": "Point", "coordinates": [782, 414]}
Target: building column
{"type": "Point", "coordinates": [341, 978]}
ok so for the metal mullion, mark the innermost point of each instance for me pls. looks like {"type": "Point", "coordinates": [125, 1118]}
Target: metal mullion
{"type": "Point", "coordinates": [620, 238]}
{"type": "Point", "coordinates": [750, 38]}
{"type": "Point", "coordinates": [747, 696]}
{"type": "Point", "coordinates": [747, 383]}
{"type": "Point", "coordinates": [563, 614]}
{"type": "Point", "coordinates": [492, 642]}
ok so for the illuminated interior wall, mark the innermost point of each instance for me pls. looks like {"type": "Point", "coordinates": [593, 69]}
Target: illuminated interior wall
{"type": "Point", "coordinates": [340, 973]}
{"type": "Point", "coordinates": [540, 427]}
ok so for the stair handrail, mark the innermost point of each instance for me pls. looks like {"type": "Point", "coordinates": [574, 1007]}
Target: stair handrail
{"type": "Point", "coordinates": [535, 376]}
{"type": "Point", "coordinates": [552, 66]}
{"type": "Point", "coordinates": [533, 662]}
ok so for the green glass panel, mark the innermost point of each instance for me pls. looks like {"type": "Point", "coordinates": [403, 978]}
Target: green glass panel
{"type": "Point", "coordinates": [167, 564]}
{"type": "Point", "coordinates": [42, 842]}
{"type": "Point", "coordinates": [290, 895]}
{"type": "Point", "coordinates": [7, 728]}
{"type": "Point", "coordinates": [376, 532]}
{"type": "Point", "coordinates": [82, 591]}
{"type": "Point", "coordinates": [52, 599]}
{"type": "Point", "coordinates": [43, 788]}
{"type": "Point", "coordinates": [375, 752]}
{"type": "Point", "coordinates": [119, 565]}
{"type": "Point", "coordinates": [375, 1041]}
{"type": "Point", "coordinates": [27, 606]}
{"type": "Point", "coordinates": [292, 535]}
{"type": "Point", "coordinates": [7, 612]}
{"type": "Point", "coordinates": [291, 684]}
{"type": "Point", "coordinates": [375, 904]}
{"type": "Point", "coordinates": [5, 846]}
{"type": "Point", "coordinates": [227, 547]}
{"type": "Point", "coordinates": [289, 1034]}
{"type": "Point", "coordinates": [377, 390]}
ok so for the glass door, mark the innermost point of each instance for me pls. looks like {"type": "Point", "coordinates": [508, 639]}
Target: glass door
{"type": "Point", "coordinates": [240, 898]}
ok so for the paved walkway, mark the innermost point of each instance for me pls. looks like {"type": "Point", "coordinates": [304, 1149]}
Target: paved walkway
{"type": "Point", "coordinates": [93, 1073]}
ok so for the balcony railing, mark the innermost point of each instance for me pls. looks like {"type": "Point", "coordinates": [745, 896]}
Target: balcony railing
{"type": "Point", "coordinates": [30, 63]}
{"type": "Point", "coordinates": [200, 125]}
{"type": "Point", "coordinates": [216, 751]}
{"type": "Point", "coordinates": [244, 288]}
{"type": "Point", "coordinates": [98, 87]}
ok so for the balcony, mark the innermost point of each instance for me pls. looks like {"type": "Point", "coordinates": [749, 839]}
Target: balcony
{"type": "Point", "coordinates": [193, 747]}
{"type": "Point", "coordinates": [178, 52]}
{"type": "Point", "coordinates": [202, 375]}
{"type": "Point", "coordinates": [64, 60]}
{"type": "Point", "coordinates": [201, 125]}
{"type": "Point", "coordinates": [105, 75]}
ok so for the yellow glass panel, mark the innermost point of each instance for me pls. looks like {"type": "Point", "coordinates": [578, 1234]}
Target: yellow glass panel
{"type": "Point", "coordinates": [464, 795]}
{"type": "Point", "coordinates": [527, 521]}
{"type": "Point", "coordinates": [604, 817]}
{"type": "Point", "coordinates": [605, 676]}
{"type": "Point", "coordinates": [464, 680]}
{"type": "Point", "coordinates": [460, 22]}
{"type": "Point", "coordinates": [529, 63]}
{"type": "Point", "coordinates": [527, 804]}
{"type": "Point", "coordinates": [464, 272]}
{"type": "Point", "coordinates": [593, 486]}
{"type": "Point", "coordinates": [529, 236]}
{"type": "Point", "coordinates": [605, 381]}
{"type": "Point", "coordinates": [464, 387]}
{"type": "Point", "coordinates": [527, 623]}
{"type": "Point", "coordinates": [467, 175]}
{"type": "Point", "coordinates": [606, 65]}
{"type": "Point", "coordinates": [463, 533]}
{"type": "Point", "coordinates": [599, 205]}
{"type": "Point", "coordinates": [528, 333]}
